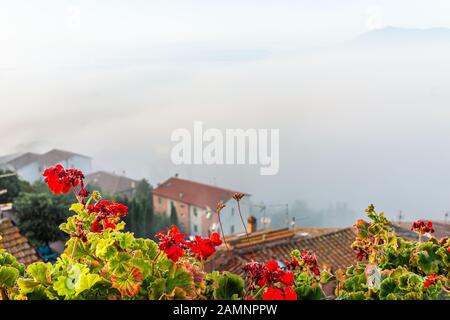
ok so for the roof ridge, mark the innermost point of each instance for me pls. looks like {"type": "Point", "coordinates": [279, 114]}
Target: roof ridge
{"type": "Point", "coordinates": [110, 173]}
{"type": "Point", "coordinates": [199, 183]}
{"type": "Point", "coordinates": [65, 151]}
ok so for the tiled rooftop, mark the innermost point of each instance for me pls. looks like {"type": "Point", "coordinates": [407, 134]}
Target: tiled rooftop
{"type": "Point", "coordinates": [331, 246]}
{"type": "Point", "coordinates": [15, 243]}
{"type": "Point", "coordinates": [111, 182]}
{"type": "Point", "coordinates": [193, 193]}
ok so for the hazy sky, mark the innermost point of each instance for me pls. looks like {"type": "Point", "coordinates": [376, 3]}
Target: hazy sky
{"type": "Point", "coordinates": [113, 79]}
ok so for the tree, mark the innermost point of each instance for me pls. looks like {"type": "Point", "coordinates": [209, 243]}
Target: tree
{"type": "Point", "coordinates": [40, 215]}
{"type": "Point", "coordinates": [173, 215]}
{"type": "Point", "coordinates": [141, 219]}
{"type": "Point", "coordinates": [13, 185]}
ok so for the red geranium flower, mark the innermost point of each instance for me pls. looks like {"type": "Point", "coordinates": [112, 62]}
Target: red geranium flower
{"type": "Point", "coordinates": [310, 261]}
{"type": "Point", "coordinates": [279, 294]}
{"type": "Point", "coordinates": [287, 279]}
{"type": "Point", "coordinates": [266, 274]}
{"type": "Point", "coordinates": [422, 227]}
{"type": "Point", "coordinates": [96, 227]}
{"type": "Point", "coordinates": [431, 279]}
{"type": "Point", "coordinates": [172, 243]}
{"type": "Point", "coordinates": [291, 265]}
{"type": "Point", "coordinates": [60, 180]}
{"type": "Point", "coordinates": [107, 214]}
{"type": "Point", "coordinates": [203, 248]}
{"type": "Point", "coordinates": [105, 208]}
{"type": "Point", "coordinates": [272, 265]}
{"type": "Point", "coordinates": [257, 272]}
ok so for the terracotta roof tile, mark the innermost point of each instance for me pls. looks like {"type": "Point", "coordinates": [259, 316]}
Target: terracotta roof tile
{"type": "Point", "coordinates": [15, 243]}
{"type": "Point", "coordinates": [332, 248]}
{"type": "Point", "coordinates": [193, 193]}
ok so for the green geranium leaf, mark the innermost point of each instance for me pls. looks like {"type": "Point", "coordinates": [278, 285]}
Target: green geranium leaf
{"type": "Point", "coordinates": [40, 272]}
{"type": "Point", "coordinates": [388, 287]}
{"type": "Point", "coordinates": [106, 249]}
{"type": "Point", "coordinates": [128, 283]}
{"type": "Point", "coordinates": [229, 286]}
{"type": "Point", "coordinates": [125, 240]}
{"type": "Point", "coordinates": [86, 282]}
{"type": "Point", "coordinates": [77, 208]}
{"type": "Point", "coordinates": [64, 286]}
{"type": "Point", "coordinates": [8, 276]}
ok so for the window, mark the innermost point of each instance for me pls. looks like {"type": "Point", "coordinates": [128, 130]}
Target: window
{"type": "Point", "coordinates": [195, 212]}
{"type": "Point", "coordinates": [195, 229]}
{"type": "Point", "coordinates": [232, 229]}
{"type": "Point", "coordinates": [159, 200]}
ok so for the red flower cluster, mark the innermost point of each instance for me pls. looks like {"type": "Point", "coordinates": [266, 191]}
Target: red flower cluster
{"type": "Point", "coordinates": [60, 180]}
{"type": "Point", "coordinates": [108, 209]}
{"type": "Point", "coordinates": [286, 293]}
{"type": "Point", "coordinates": [107, 214]}
{"type": "Point", "coordinates": [279, 282]}
{"type": "Point", "coordinates": [203, 248]}
{"type": "Point", "coordinates": [267, 274]}
{"type": "Point", "coordinates": [292, 265]}
{"type": "Point", "coordinates": [430, 279]}
{"type": "Point", "coordinates": [364, 246]}
{"type": "Point", "coordinates": [362, 254]}
{"type": "Point", "coordinates": [422, 227]}
{"type": "Point", "coordinates": [172, 243]}
{"type": "Point", "coordinates": [310, 261]}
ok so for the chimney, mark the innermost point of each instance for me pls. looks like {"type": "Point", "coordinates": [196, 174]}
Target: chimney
{"type": "Point", "coordinates": [251, 224]}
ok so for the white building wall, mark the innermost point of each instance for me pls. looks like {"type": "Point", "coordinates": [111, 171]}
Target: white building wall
{"type": "Point", "coordinates": [30, 172]}
{"type": "Point", "coordinates": [231, 220]}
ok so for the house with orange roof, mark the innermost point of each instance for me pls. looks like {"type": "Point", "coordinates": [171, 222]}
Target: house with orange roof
{"type": "Point", "coordinates": [195, 205]}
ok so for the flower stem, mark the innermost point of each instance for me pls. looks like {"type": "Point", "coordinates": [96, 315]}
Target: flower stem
{"type": "Point", "coordinates": [259, 291]}
{"type": "Point", "coordinates": [74, 248]}
{"type": "Point", "coordinates": [223, 234]}
{"type": "Point", "coordinates": [4, 294]}
{"type": "Point", "coordinates": [154, 261]}
{"type": "Point", "coordinates": [242, 219]}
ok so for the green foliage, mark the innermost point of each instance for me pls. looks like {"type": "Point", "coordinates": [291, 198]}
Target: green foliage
{"type": "Point", "coordinates": [141, 219]}
{"type": "Point", "coordinates": [173, 215]}
{"type": "Point", "coordinates": [39, 215]}
{"type": "Point", "coordinates": [307, 287]}
{"type": "Point", "coordinates": [110, 265]}
{"type": "Point", "coordinates": [114, 264]}
{"type": "Point", "coordinates": [13, 186]}
{"type": "Point", "coordinates": [229, 287]}
{"type": "Point", "coordinates": [397, 269]}
{"type": "Point", "coordinates": [10, 270]}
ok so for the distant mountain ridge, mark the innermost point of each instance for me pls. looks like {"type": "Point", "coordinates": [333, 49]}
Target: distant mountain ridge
{"type": "Point", "coordinates": [395, 35]}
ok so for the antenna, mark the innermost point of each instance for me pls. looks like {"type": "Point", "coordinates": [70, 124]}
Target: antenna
{"type": "Point", "coordinates": [446, 217]}
{"type": "Point", "coordinates": [400, 216]}
{"type": "Point", "coordinates": [286, 205]}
